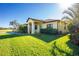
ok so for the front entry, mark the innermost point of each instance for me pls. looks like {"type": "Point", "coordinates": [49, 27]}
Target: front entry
{"type": "Point", "coordinates": [30, 28]}
{"type": "Point", "coordinates": [36, 28]}
{"type": "Point", "coordinates": [33, 28]}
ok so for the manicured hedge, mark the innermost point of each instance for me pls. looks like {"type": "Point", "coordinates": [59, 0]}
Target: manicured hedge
{"type": "Point", "coordinates": [49, 31]}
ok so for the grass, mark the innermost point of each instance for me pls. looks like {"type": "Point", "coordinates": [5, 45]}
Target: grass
{"type": "Point", "coordinates": [36, 45]}
{"type": "Point", "coordinates": [4, 31]}
{"type": "Point", "coordinates": [46, 37]}
{"type": "Point", "coordinates": [16, 45]}
{"type": "Point", "coordinates": [64, 47]}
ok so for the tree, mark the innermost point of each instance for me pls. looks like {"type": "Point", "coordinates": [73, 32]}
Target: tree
{"type": "Point", "coordinates": [14, 24]}
{"type": "Point", "coordinates": [22, 28]}
{"type": "Point", "coordinates": [73, 16]}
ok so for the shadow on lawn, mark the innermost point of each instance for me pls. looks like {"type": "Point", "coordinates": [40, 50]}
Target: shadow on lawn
{"type": "Point", "coordinates": [74, 47]}
{"type": "Point", "coordinates": [59, 49]}
{"type": "Point", "coordinates": [9, 35]}
{"type": "Point", "coordinates": [45, 37]}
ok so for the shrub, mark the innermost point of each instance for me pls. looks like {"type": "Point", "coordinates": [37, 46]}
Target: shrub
{"type": "Point", "coordinates": [49, 31]}
{"type": "Point", "coordinates": [74, 31]}
{"type": "Point", "coordinates": [71, 28]}
{"type": "Point", "coordinates": [22, 28]}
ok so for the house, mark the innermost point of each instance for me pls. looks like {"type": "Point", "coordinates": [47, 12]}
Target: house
{"type": "Point", "coordinates": [34, 25]}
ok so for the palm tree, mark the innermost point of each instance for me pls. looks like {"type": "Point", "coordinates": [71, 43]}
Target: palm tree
{"type": "Point", "coordinates": [72, 13]}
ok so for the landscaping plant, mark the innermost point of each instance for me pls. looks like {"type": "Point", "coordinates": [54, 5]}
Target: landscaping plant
{"type": "Point", "coordinates": [73, 16]}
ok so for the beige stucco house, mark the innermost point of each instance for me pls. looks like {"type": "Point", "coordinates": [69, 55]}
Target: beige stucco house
{"type": "Point", "coordinates": [34, 25]}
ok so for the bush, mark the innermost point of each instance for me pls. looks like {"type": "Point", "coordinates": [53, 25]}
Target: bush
{"type": "Point", "coordinates": [22, 28]}
{"type": "Point", "coordinates": [71, 28]}
{"type": "Point", "coordinates": [74, 31]}
{"type": "Point", "coordinates": [49, 31]}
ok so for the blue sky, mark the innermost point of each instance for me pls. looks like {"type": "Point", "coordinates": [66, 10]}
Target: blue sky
{"type": "Point", "coordinates": [21, 12]}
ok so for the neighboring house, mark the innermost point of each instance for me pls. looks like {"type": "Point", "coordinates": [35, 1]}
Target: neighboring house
{"type": "Point", "coordinates": [34, 25]}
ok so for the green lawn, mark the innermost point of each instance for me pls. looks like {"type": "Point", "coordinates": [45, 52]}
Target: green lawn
{"type": "Point", "coordinates": [23, 45]}
{"type": "Point", "coordinates": [64, 47]}
{"type": "Point", "coordinates": [36, 45]}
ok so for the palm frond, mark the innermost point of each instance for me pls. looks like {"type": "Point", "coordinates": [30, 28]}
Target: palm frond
{"type": "Point", "coordinates": [72, 10]}
{"type": "Point", "coordinates": [66, 17]}
{"type": "Point", "coordinates": [69, 13]}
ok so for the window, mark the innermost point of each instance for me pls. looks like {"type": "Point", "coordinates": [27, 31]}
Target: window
{"type": "Point", "coordinates": [50, 25]}
{"type": "Point", "coordinates": [35, 26]}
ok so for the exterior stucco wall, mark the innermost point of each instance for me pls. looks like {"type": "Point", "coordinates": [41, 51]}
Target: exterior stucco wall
{"type": "Point", "coordinates": [43, 26]}
{"type": "Point", "coordinates": [56, 25]}
{"type": "Point", "coordinates": [30, 21]}
{"type": "Point", "coordinates": [53, 23]}
{"type": "Point", "coordinates": [62, 27]}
